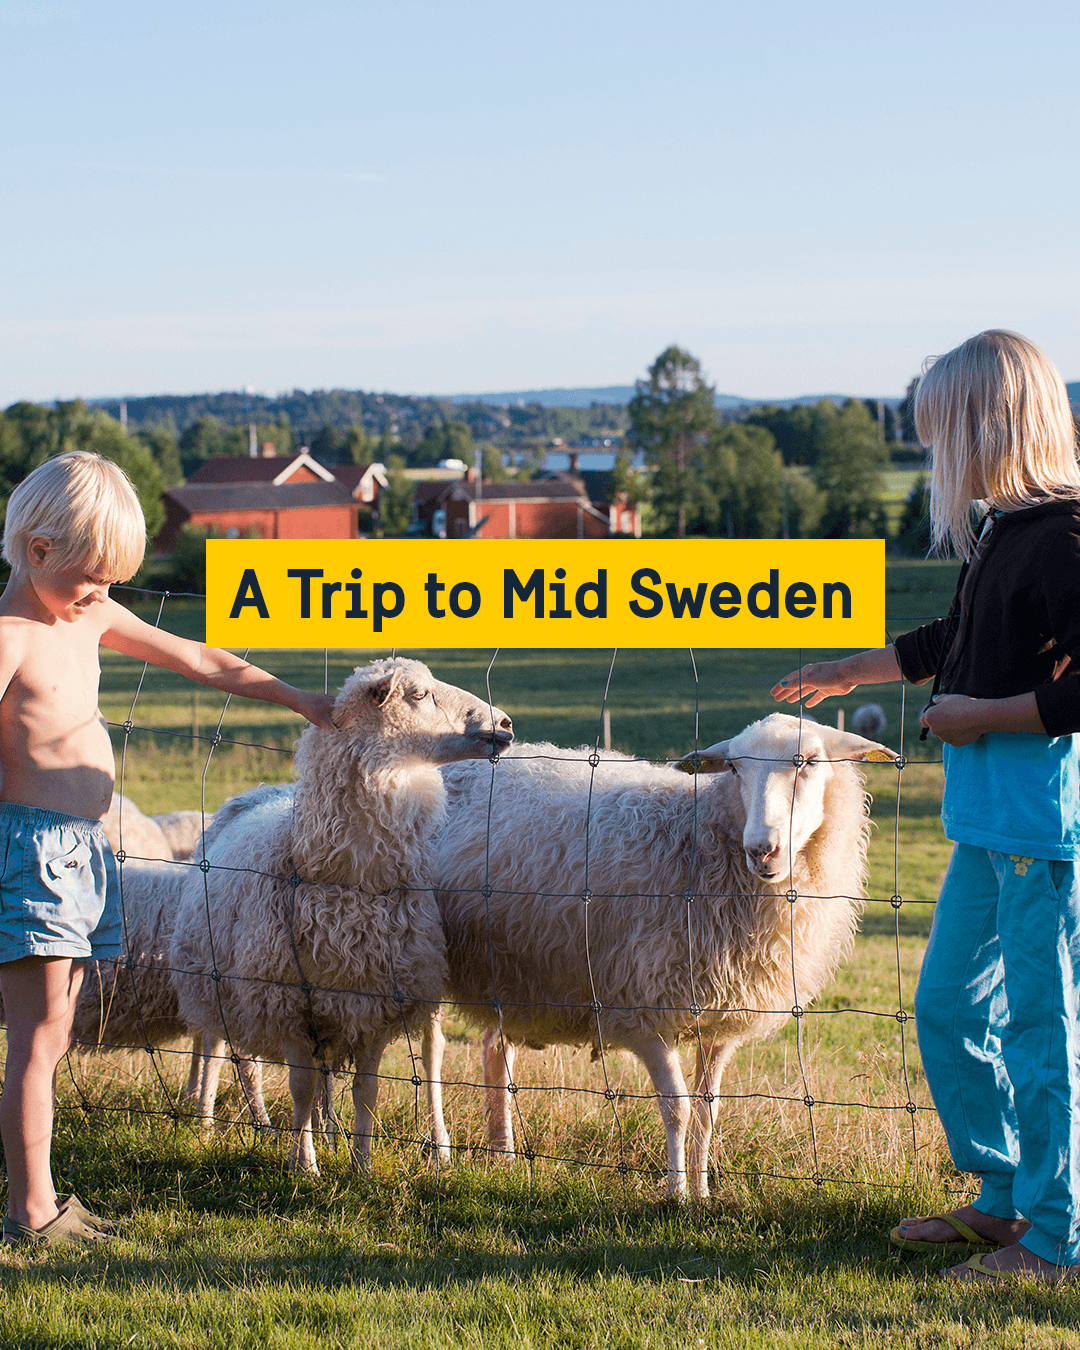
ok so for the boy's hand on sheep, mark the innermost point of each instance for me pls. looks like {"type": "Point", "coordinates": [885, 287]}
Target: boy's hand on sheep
{"type": "Point", "coordinates": [316, 708]}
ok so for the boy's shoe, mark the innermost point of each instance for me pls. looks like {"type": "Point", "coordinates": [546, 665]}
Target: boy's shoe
{"type": "Point", "coordinates": [93, 1220]}
{"type": "Point", "coordinates": [66, 1227]}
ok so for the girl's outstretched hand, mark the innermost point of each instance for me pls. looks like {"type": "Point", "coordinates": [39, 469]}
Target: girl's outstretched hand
{"type": "Point", "coordinates": [820, 679]}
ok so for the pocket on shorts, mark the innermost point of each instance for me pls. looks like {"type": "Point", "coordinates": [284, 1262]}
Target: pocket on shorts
{"type": "Point", "coordinates": [65, 867]}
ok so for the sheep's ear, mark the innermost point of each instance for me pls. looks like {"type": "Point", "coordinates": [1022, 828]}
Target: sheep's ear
{"type": "Point", "coordinates": [381, 690]}
{"type": "Point", "coordinates": [847, 745]}
{"type": "Point", "coordinates": [713, 760]}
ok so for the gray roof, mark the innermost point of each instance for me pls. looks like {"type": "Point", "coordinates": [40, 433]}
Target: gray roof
{"type": "Point", "coordinates": [258, 496]}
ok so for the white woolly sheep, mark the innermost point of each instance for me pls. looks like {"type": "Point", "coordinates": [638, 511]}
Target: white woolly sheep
{"type": "Point", "coordinates": [868, 720]}
{"type": "Point", "coordinates": [182, 830]}
{"type": "Point", "coordinates": [131, 1002]}
{"type": "Point", "coordinates": [627, 905]}
{"type": "Point", "coordinates": [136, 835]}
{"type": "Point", "coordinates": [314, 937]}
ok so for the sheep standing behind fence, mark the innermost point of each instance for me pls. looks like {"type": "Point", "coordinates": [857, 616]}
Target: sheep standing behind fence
{"type": "Point", "coordinates": [624, 904]}
{"type": "Point", "coordinates": [314, 937]}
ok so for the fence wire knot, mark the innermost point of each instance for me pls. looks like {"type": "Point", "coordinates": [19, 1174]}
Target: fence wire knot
{"type": "Point", "coordinates": [204, 867]}
{"type": "Point", "coordinates": [695, 1009]}
{"type": "Point", "coordinates": [797, 1011]}
{"type": "Point", "coordinates": [486, 891]}
{"type": "Point", "coordinates": [622, 1168]}
{"type": "Point", "coordinates": [896, 901]}
{"type": "Point", "coordinates": [819, 1180]}
{"type": "Point", "coordinates": [901, 762]}
{"type": "Point", "coordinates": [305, 987]}
{"type": "Point", "coordinates": [911, 1108]}
{"type": "Point", "coordinates": [215, 739]}
{"type": "Point", "coordinates": [512, 1088]}
{"type": "Point", "coordinates": [294, 879]}
{"type": "Point", "coordinates": [688, 896]}
{"type": "Point", "coordinates": [417, 1081]}
{"type": "Point", "coordinates": [594, 760]}
{"type": "Point", "coordinates": [791, 896]}
{"type": "Point", "coordinates": [398, 997]}
{"type": "Point", "coordinates": [129, 727]}
{"type": "Point", "coordinates": [808, 1101]}
{"type": "Point", "coordinates": [234, 1058]}
{"type": "Point", "coordinates": [129, 964]}
{"type": "Point", "coordinates": [901, 1016]}
{"type": "Point", "coordinates": [215, 975]}
{"type": "Point", "coordinates": [596, 1005]}
{"type": "Point", "coordinates": [610, 1094]}
{"type": "Point", "coordinates": [798, 760]}
{"type": "Point", "coordinates": [529, 1154]}
{"type": "Point", "coordinates": [586, 895]}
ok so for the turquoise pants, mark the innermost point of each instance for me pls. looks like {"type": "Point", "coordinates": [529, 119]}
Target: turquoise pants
{"type": "Point", "coordinates": [998, 1017]}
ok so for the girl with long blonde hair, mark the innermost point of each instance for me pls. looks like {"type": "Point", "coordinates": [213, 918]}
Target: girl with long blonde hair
{"type": "Point", "coordinates": [998, 1004]}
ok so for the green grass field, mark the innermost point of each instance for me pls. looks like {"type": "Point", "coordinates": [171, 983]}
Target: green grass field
{"type": "Point", "coordinates": [819, 1155]}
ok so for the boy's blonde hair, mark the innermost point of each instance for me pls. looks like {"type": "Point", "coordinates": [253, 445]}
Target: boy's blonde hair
{"type": "Point", "coordinates": [87, 509]}
{"type": "Point", "coordinates": [995, 413]}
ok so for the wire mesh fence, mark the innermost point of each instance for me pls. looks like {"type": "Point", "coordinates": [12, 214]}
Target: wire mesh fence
{"type": "Point", "coordinates": [832, 1092]}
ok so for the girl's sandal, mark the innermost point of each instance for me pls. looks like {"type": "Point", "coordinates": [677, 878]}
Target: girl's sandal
{"type": "Point", "coordinates": [977, 1263]}
{"type": "Point", "coordinates": [967, 1237]}
{"type": "Point", "coordinates": [67, 1227]}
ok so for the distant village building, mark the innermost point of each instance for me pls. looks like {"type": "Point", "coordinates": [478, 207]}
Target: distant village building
{"type": "Point", "coordinates": [556, 506]}
{"type": "Point", "coordinates": [268, 497]}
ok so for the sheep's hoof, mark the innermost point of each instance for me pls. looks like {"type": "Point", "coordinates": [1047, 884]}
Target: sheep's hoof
{"type": "Point", "coordinates": [308, 1169]}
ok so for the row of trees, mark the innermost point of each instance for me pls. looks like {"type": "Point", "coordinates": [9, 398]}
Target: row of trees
{"type": "Point", "coordinates": [798, 472]}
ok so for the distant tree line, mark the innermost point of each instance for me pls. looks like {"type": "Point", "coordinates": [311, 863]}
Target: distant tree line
{"type": "Point", "coordinates": [322, 419]}
{"type": "Point", "coordinates": [799, 472]}
{"type": "Point", "coordinates": [771, 471]}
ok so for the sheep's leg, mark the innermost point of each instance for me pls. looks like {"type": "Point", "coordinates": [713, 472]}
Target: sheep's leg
{"type": "Point", "coordinates": [211, 1058]}
{"type": "Point", "coordinates": [304, 1086]}
{"type": "Point", "coordinates": [662, 1061]}
{"type": "Point", "coordinates": [191, 1087]}
{"type": "Point", "coordinates": [249, 1072]}
{"type": "Point", "coordinates": [498, 1056]}
{"type": "Point", "coordinates": [324, 1119]}
{"type": "Point", "coordinates": [710, 1069]}
{"type": "Point", "coordinates": [365, 1095]}
{"type": "Point", "coordinates": [433, 1048]}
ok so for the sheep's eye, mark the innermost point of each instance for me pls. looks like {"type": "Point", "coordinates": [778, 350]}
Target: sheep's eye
{"type": "Point", "coordinates": [734, 769]}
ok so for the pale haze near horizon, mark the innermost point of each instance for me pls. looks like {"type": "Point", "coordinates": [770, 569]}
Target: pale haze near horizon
{"type": "Point", "coordinates": [444, 199]}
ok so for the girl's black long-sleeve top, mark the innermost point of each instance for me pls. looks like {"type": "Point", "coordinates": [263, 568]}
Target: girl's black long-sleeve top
{"type": "Point", "coordinates": [1014, 623]}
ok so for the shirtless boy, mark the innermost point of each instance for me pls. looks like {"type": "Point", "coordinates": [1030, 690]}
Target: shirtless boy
{"type": "Point", "coordinates": [73, 528]}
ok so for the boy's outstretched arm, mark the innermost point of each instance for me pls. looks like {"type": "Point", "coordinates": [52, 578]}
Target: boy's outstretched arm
{"type": "Point", "coordinates": [823, 679]}
{"type": "Point", "coordinates": [129, 635]}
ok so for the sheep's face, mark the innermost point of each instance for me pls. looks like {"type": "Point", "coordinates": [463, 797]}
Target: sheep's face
{"type": "Point", "coordinates": [784, 767]}
{"type": "Point", "coordinates": [398, 704]}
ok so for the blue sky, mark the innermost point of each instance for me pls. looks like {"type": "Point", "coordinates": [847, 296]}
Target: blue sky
{"type": "Point", "coordinates": [448, 197]}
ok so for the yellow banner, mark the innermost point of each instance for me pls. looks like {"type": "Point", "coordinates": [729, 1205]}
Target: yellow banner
{"type": "Point", "coordinates": [545, 593]}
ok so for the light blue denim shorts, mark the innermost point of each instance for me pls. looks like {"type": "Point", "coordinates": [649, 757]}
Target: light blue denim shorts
{"type": "Point", "coordinates": [58, 889]}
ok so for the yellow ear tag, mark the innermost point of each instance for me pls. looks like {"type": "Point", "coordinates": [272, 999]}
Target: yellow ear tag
{"type": "Point", "coordinates": [880, 757]}
{"type": "Point", "coordinates": [697, 763]}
